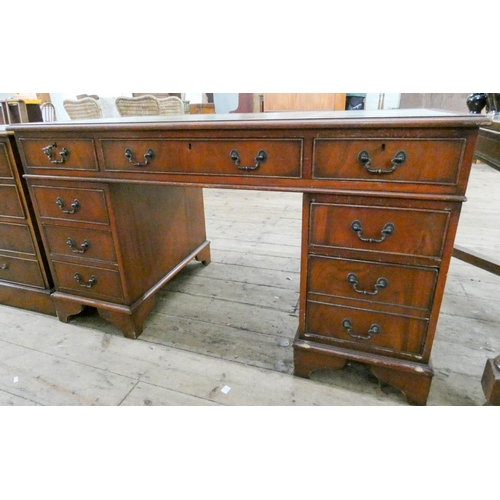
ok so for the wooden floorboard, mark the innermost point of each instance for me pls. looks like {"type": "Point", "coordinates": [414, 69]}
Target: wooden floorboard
{"type": "Point", "coordinates": [232, 323]}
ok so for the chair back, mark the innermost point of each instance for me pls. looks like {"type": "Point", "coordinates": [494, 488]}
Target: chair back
{"type": "Point", "coordinates": [82, 109]}
{"type": "Point", "coordinates": [171, 105]}
{"type": "Point", "coordinates": [138, 106]}
{"type": "Point", "coordinates": [14, 111]}
{"type": "Point", "coordinates": [48, 112]}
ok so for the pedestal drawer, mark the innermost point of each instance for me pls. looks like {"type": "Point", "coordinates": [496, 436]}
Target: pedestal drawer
{"type": "Point", "coordinates": [428, 161]}
{"type": "Point", "coordinates": [407, 286]}
{"type": "Point", "coordinates": [408, 231]}
{"type": "Point", "coordinates": [21, 271]}
{"type": "Point", "coordinates": [10, 203]}
{"type": "Point", "coordinates": [365, 330]}
{"type": "Point", "coordinates": [16, 238]}
{"type": "Point", "coordinates": [75, 204]}
{"type": "Point", "coordinates": [5, 168]}
{"type": "Point", "coordinates": [75, 242]}
{"type": "Point", "coordinates": [63, 154]}
{"type": "Point", "coordinates": [90, 281]}
{"type": "Point", "coordinates": [258, 157]}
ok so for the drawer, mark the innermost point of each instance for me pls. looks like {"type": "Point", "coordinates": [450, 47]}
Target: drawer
{"type": "Point", "coordinates": [10, 203]}
{"type": "Point", "coordinates": [406, 286]}
{"type": "Point", "coordinates": [16, 238]}
{"type": "Point", "coordinates": [64, 154]}
{"type": "Point", "coordinates": [390, 230]}
{"type": "Point", "coordinates": [365, 330]}
{"type": "Point", "coordinates": [75, 242]}
{"type": "Point", "coordinates": [427, 161]}
{"type": "Point", "coordinates": [21, 271]}
{"type": "Point", "coordinates": [75, 204]}
{"type": "Point", "coordinates": [5, 167]}
{"type": "Point", "coordinates": [280, 158]}
{"type": "Point", "coordinates": [89, 281]}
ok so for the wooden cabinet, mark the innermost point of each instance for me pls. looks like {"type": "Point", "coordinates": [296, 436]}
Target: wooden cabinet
{"type": "Point", "coordinates": [303, 102]}
{"type": "Point", "coordinates": [25, 280]}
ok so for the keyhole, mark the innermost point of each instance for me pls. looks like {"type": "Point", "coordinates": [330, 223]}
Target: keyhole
{"type": "Point", "coordinates": [383, 147]}
{"type": "Point", "coordinates": [189, 146]}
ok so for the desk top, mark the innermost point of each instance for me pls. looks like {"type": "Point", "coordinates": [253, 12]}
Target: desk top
{"type": "Point", "coordinates": [296, 151]}
{"type": "Point", "coordinates": [310, 119]}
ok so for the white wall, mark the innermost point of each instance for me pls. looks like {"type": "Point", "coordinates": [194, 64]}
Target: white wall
{"type": "Point", "coordinates": [390, 101]}
{"type": "Point", "coordinates": [193, 97]}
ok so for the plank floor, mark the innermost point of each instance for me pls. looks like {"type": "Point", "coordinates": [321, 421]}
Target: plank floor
{"type": "Point", "coordinates": [231, 325]}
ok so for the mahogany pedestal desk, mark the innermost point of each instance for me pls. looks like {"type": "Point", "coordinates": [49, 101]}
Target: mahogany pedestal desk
{"type": "Point", "coordinates": [382, 193]}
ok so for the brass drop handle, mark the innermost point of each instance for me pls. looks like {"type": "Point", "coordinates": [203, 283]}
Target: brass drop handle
{"type": "Point", "coordinates": [149, 155]}
{"type": "Point", "coordinates": [259, 159]}
{"type": "Point", "coordinates": [374, 330]}
{"type": "Point", "coordinates": [387, 230]}
{"type": "Point", "coordinates": [380, 284]}
{"type": "Point", "coordinates": [365, 160]}
{"type": "Point", "coordinates": [4, 267]}
{"type": "Point", "coordinates": [48, 150]}
{"type": "Point", "coordinates": [74, 206]}
{"type": "Point", "coordinates": [83, 247]}
{"type": "Point", "coordinates": [89, 284]}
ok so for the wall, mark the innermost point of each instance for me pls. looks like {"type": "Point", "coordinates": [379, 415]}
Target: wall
{"type": "Point", "coordinates": [451, 102]}
{"type": "Point", "coordinates": [390, 101]}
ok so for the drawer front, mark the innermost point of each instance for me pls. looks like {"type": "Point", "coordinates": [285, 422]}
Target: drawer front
{"type": "Point", "coordinates": [280, 158]}
{"type": "Point", "coordinates": [89, 281]}
{"type": "Point", "coordinates": [389, 160]}
{"type": "Point", "coordinates": [418, 232]}
{"type": "Point", "coordinates": [366, 330]}
{"type": "Point", "coordinates": [20, 271]}
{"type": "Point", "coordinates": [5, 168]}
{"type": "Point", "coordinates": [16, 238]}
{"type": "Point", "coordinates": [80, 205]}
{"type": "Point", "coordinates": [64, 154]}
{"type": "Point", "coordinates": [406, 286]}
{"type": "Point", "coordinates": [71, 241]}
{"type": "Point", "coordinates": [10, 203]}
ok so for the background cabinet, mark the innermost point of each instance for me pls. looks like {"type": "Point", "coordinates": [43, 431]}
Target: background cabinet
{"type": "Point", "coordinates": [25, 281]}
{"type": "Point", "coordinates": [303, 102]}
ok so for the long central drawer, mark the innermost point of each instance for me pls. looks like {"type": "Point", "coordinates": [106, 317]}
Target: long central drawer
{"type": "Point", "coordinates": [256, 157]}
